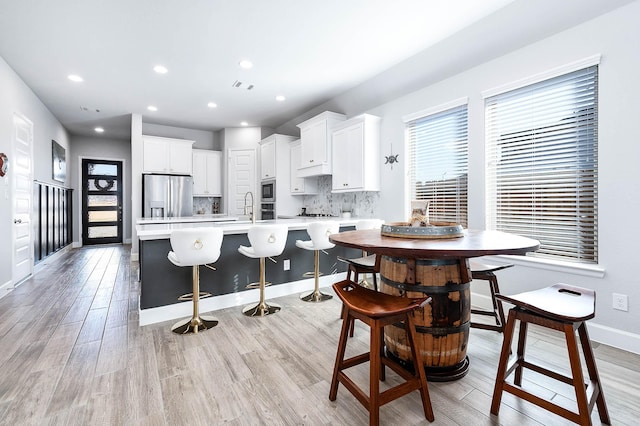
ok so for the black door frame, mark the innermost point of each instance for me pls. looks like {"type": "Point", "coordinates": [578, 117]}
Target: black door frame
{"type": "Point", "coordinates": [85, 208]}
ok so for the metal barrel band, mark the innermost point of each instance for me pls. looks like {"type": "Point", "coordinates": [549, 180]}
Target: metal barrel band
{"type": "Point", "coordinates": [438, 331]}
{"type": "Point", "coordinates": [423, 262]}
{"type": "Point", "coordinates": [427, 289]}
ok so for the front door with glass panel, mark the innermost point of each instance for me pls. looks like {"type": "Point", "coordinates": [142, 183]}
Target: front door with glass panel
{"type": "Point", "coordinates": [101, 201]}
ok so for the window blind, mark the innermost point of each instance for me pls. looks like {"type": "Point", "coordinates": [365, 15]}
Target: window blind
{"type": "Point", "coordinates": [542, 164]}
{"type": "Point", "coordinates": [438, 153]}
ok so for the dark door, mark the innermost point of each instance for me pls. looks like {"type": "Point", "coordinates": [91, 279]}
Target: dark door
{"type": "Point", "coordinates": [101, 202]}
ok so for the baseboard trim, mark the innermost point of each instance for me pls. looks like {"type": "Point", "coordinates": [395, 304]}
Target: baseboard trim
{"type": "Point", "coordinates": [184, 309]}
{"type": "Point", "coordinates": [52, 257]}
{"type": "Point", "coordinates": [609, 336]}
{"type": "Point", "coordinates": [5, 288]}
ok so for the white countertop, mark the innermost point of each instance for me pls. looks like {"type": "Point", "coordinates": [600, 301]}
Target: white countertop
{"type": "Point", "coordinates": [162, 230]}
{"type": "Point", "coordinates": [194, 218]}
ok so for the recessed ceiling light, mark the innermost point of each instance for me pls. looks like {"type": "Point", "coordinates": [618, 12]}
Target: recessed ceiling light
{"type": "Point", "coordinates": [212, 105]}
{"type": "Point", "coordinates": [76, 78]}
{"type": "Point", "coordinates": [244, 123]}
{"type": "Point", "coordinates": [99, 130]}
{"type": "Point", "coordinates": [246, 64]}
{"type": "Point", "coordinates": [280, 98]}
{"type": "Point", "coordinates": [160, 69]}
{"type": "Point", "coordinates": [152, 108]}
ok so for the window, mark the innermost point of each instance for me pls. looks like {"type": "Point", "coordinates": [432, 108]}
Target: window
{"type": "Point", "coordinates": [542, 164]}
{"type": "Point", "coordinates": [438, 151]}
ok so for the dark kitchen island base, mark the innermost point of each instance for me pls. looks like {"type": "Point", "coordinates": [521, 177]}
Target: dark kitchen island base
{"type": "Point", "coordinates": [161, 282]}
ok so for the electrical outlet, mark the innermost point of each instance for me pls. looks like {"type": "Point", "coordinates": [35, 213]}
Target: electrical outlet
{"type": "Point", "coordinates": [621, 302]}
{"type": "Point", "coordinates": [286, 264]}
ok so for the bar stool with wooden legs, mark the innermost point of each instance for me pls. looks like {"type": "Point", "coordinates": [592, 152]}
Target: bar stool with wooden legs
{"type": "Point", "coordinates": [266, 241]}
{"type": "Point", "coordinates": [563, 308]}
{"type": "Point", "coordinates": [366, 264]}
{"type": "Point", "coordinates": [194, 247]}
{"type": "Point", "coordinates": [481, 271]}
{"type": "Point", "coordinates": [319, 233]}
{"type": "Point", "coordinates": [378, 310]}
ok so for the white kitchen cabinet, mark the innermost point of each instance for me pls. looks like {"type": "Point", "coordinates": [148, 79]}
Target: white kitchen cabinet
{"type": "Point", "coordinates": [207, 173]}
{"type": "Point", "coordinates": [315, 140]}
{"type": "Point", "coordinates": [166, 155]}
{"type": "Point", "coordinates": [268, 158]}
{"type": "Point", "coordinates": [356, 155]}
{"type": "Point", "coordinates": [275, 164]}
{"type": "Point", "coordinates": [274, 157]}
{"type": "Point", "coordinates": [299, 186]}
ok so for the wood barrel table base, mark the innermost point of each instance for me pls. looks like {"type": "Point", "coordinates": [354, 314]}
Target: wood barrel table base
{"type": "Point", "coordinates": [442, 327]}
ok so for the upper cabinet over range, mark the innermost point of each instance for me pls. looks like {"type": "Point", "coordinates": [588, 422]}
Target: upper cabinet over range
{"type": "Point", "coordinates": [315, 142]}
{"type": "Point", "coordinates": [356, 154]}
{"type": "Point", "coordinates": [166, 155]}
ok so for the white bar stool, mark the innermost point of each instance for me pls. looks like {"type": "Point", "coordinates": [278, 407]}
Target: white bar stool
{"type": "Point", "coordinates": [319, 233]}
{"type": "Point", "coordinates": [367, 263]}
{"type": "Point", "coordinates": [266, 241]}
{"type": "Point", "coordinates": [194, 247]}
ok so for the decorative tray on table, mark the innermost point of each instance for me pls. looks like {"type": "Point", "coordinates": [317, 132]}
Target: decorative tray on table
{"type": "Point", "coordinates": [433, 230]}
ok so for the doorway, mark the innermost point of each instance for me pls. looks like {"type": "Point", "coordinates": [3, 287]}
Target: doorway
{"type": "Point", "coordinates": [101, 202]}
{"type": "Point", "coordinates": [22, 256]}
{"type": "Point", "coordinates": [241, 180]}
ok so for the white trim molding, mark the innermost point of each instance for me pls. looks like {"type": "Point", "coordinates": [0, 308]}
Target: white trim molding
{"type": "Point", "coordinates": [436, 109]}
{"type": "Point", "coordinates": [546, 75]}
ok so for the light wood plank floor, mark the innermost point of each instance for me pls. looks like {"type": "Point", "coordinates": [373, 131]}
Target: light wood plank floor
{"type": "Point", "coordinates": [72, 353]}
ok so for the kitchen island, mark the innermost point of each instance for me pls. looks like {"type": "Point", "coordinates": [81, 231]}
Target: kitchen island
{"type": "Point", "coordinates": [161, 282]}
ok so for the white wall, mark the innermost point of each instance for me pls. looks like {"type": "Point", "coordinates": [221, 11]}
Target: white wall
{"type": "Point", "coordinates": [16, 96]}
{"type": "Point", "coordinates": [100, 149]}
{"type": "Point", "coordinates": [610, 35]}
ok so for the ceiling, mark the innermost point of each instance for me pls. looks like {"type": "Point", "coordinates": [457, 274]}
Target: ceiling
{"type": "Point", "coordinates": [306, 50]}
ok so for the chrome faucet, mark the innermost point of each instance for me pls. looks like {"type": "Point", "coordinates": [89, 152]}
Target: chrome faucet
{"type": "Point", "coordinates": [252, 217]}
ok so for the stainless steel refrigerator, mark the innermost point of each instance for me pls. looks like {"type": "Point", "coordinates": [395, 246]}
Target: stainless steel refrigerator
{"type": "Point", "coordinates": [167, 195]}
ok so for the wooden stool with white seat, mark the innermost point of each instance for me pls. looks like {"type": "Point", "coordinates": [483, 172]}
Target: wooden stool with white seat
{"type": "Point", "coordinates": [319, 233]}
{"type": "Point", "coordinates": [486, 272]}
{"type": "Point", "coordinates": [266, 241]}
{"type": "Point", "coordinates": [194, 247]}
{"type": "Point", "coordinates": [564, 308]}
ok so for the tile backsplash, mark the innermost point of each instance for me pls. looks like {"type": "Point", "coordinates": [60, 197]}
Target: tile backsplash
{"type": "Point", "coordinates": [206, 205]}
{"type": "Point", "coordinates": [361, 204]}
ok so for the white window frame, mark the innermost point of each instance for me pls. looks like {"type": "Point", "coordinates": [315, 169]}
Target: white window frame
{"type": "Point", "coordinates": [550, 261]}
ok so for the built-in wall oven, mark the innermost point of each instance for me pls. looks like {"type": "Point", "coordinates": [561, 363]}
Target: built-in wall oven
{"type": "Point", "coordinates": [268, 211]}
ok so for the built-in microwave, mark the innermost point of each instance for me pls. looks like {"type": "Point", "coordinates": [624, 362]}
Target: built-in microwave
{"type": "Point", "coordinates": [268, 191]}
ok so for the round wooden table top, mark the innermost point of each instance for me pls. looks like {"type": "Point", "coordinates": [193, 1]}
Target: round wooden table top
{"type": "Point", "coordinates": [474, 243]}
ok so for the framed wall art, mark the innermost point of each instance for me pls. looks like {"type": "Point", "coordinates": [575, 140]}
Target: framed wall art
{"type": "Point", "coordinates": [59, 161]}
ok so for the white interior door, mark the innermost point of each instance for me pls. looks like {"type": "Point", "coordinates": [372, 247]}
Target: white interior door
{"type": "Point", "coordinates": [241, 179]}
{"type": "Point", "coordinates": [22, 171]}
